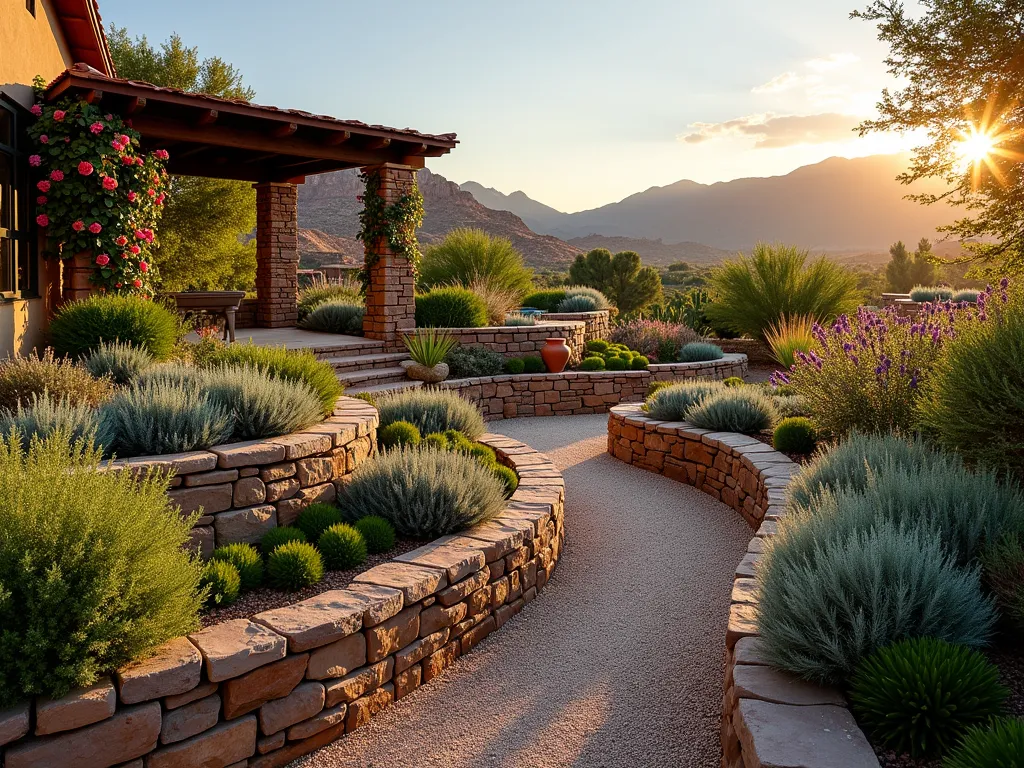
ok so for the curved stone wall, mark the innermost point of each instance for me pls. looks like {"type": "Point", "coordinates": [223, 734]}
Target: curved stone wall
{"type": "Point", "coordinates": [580, 392]}
{"type": "Point", "coordinates": [598, 324]}
{"type": "Point", "coordinates": [520, 340]}
{"type": "Point", "coordinates": [769, 717]}
{"type": "Point", "coordinates": [260, 692]}
{"type": "Point", "coordinates": [244, 489]}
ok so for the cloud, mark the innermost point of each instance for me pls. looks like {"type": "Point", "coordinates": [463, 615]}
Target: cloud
{"type": "Point", "coordinates": [787, 81]}
{"type": "Point", "coordinates": [774, 131]}
{"type": "Point", "coordinates": [832, 61]}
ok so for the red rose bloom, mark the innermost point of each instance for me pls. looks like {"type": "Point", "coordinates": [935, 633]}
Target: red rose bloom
{"type": "Point", "coordinates": [57, 175]}
{"type": "Point", "coordinates": [95, 228]}
{"type": "Point", "coordinates": [43, 186]}
{"type": "Point", "coordinates": [35, 161]}
{"type": "Point", "coordinates": [143, 266]}
{"type": "Point", "coordinates": [162, 154]}
{"type": "Point", "coordinates": [96, 128]}
{"type": "Point", "coordinates": [42, 220]}
{"type": "Point", "coordinates": [131, 197]}
{"type": "Point", "coordinates": [109, 183]}
{"type": "Point", "coordinates": [122, 240]}
{"type": "Point", "coordinates": [78, 226]}
{"type": "Point", "coordinates": [44, 139]}
{"type": "Point", "coordinates": [85, 168]}
{"type": "Point", "coordinates": [36, 110]}
{"type": "Point", "coordinates": [58, 114]}
{"type": "Point", "coordinates": [103, 259]}
{"type": "Point", "coordinates": [135, 249]}
{"type": "Point", "coordinates": [137, 283]}
{"type": "Point", "coordinates": [41, 200]}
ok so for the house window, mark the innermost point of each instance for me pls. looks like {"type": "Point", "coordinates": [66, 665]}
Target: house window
{"type": "Point", "coordinates": [16, 252]}
{"type": "Point", "coordinates": [30, 6]}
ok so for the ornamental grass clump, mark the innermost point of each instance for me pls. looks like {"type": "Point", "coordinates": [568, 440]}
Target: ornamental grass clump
{"type": "Point", "coordinates": [118, 361]}
{"type": "Point", "coordinates": [518, 319]}
{"type": "Point", "coordinates": [499, 301]}
{"type": "Point", "coordinates": [699, 352]}
{"type": "Point", "coordinates": [866, 372]}
{"type": "Point", "coordinates": [599, 299]}
{"type": "Point", "coordinates": [93, 567]}
{"type": "Point", "coordinates": [921, 695]}
{"type": "Point", "coordinates": [317, 518]}
{"type": "Point", "coordinates": [246, 558]}
{"type": "Point", "coordinates": [294, 565]}
{"type": "Point", "coordinates": [21, 378]}
{"type": "Point", "coordinates": [673, 402]}
{"type": "Point", "coordinates": [745, 410]}
{"type": "Point", "coordinates": [789, 336]}
{"type": "Point", "coordinates": [451, 307]}
{"type": "Point", "coordinates": [1000, 744]}
{"type": "Point", "coordinates": [469, 255]}
{"type": "Point", "coordinates": [342, 547]}
{"type": "Point", "coordinates": [377, 532]}
{"type": "Point", "coordinates": [163, 417]}
{"type": "Point", "coordinates": [79, 327]}
{"type": "Point", "coordinates": [221, 582]}
{"type": "Point", "coordinates": [431, 411]}
{"type": "Point", "coordinates": [424, 493]}
{"type": "Point", "coordinates": [260, 403]}
{"type": "Point", "coordinates": [321, 292]}
{"type": "Point", "coordinates": [46, 416]}
{"type": "Point", "coordinates": [468, 362]}
{"type": "Point", "coordinates": [335, 316]}
{"type": "Point", "coordinates": [826, 605]}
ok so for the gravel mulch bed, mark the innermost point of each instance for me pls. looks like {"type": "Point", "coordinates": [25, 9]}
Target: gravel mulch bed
{"type": "Point", "coordinates": [266, 598]}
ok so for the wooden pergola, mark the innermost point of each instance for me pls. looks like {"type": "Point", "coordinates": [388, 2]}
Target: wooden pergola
{"type": "Point", "coordinates": [275, 149]}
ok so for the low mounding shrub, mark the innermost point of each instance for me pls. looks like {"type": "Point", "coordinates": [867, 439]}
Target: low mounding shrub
{"type": "Point", "coordinates": [431, 411]}
{"type": "Point", "coordinates": [452, 307]}
{"type": "Point", "coordinates": [342, 547]}
{"type": "Point", "coordinates": [1002, 563]}
{"type": "Point", "coordinates": [397, 434]}
{"type": "Point", "coordinates": [974, 403]}
{"type": "Point", "coordinates": [424, 493]}
{"type": "Point", "coordinates": [743, 410]}
{"type": "Point", "coordinates": [118, 361]}
{"type": "Point", "coordinates": [46, 416]}
{"type": "Point", "coordinates": [93, 568]}
{"type": "Point", "coordinates": [508, 476]}
{"type": "Point", "coordinates": [310, 298]}
{"type": "Point", "coordinates": [468, 362]}
{"type": "Point", "coordinates": [600, 346]}
{"type": "Point", "coordinates": [261, 404]}
{"type": "Point", "coordinates": [654, 339]}
{"type": "Point", "coordinates": [733, 381]}
{"type": "Point", "coordinates": [656, 386]}
{"type": "Point", "coordinates": [577, 304]}
{"type": "Point", "coordinates": [599, 299]}
{"type": "Point", "coordinates": [547, 300]}
{"type": "Point", "coordinates": [533, 364]}
{"type": "Point", "coordinates": [293, 365]}
{"type": "Point", "coordinates": [921, 695]}
{"type": "Point", "coordinates": [849, 463]}
{"type": "Point", "coordinates": [162, 417]}
{"type": "Point", "coordinates": [923, 294]}
{"type": "Point", "coordinates": [23, 377]}
{"type": "Point", "coordinates": [699, 352]}
{"type": "Point", "coordinates": [616, 364]}
{"type": "Point", "coordinates": [639, 363]}
{"type": "Point", "coordinates": [827, 604]}
{"type": "Point", "coordinates": [514, 365]}
{"type": "Point", "coordinates": [457, 441]}
{"type": "Point", "coordinates": [377, 532]}
{"type": "Point", "coordinates": [998, 745]}
{"type": "Point", "coordinates": [275, 537]}
{"type": "Point", "coordinates": [436, 441]}
{"type": "Point", "coordinates": [336, 316]}
{"type": "Point", "coordinates": [518, 319]}
{"type": "Point", "coordinates": [789, 406]}
{"type": "Point", "coordinates": [294, 565]}
{"type": "Point", "coordinates": [467, 256]}
{"type": "Point", "coordinates": [81, 326]}
{"type": "Point", "coordinates": [222, 583]}
{"type": "Point", "coordinates": [246, 559]}
{"type": "Point", "coordinates": [965, 296]}
{"type": "Point", "coordinates": [317, 518]}
{"type": "Point", "coordinates": [673, 401]}
{"type": "Point", "coordinates": [591, 364]}
{"type": "Point", "coordinates": [794, 435]}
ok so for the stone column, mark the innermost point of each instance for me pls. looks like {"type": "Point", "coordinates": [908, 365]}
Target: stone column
{"type": "Point", "coordinates": [277, 255]}
{"type": "Point", "coordinates": [390, 297]}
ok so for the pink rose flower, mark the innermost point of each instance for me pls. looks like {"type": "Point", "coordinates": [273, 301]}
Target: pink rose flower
{"type": "Point", "coordinates": [137, 283]}
{"type": "Point", "coordinates": [35, 161]}
{"type": "Point", "coordinates": [56, 175]}
{"type": "Point", "coordinates": [122, 240]}
{"type": "Point", "coordinates": [109, 183]}
{"type": "Point", "coordinates": [140, 235]}
{"type": "Point", "coordinates": [162, 154]}
{"type": "Point", "coordinates": [103, 259]}
{"type": "Point", "coordinates": [160, 198]}
{"type": "Point", "coordinates": [95, 228]}
{"type": "Point", "coordinates": [151, 192]}
{"type": "Point", "coordinates": [135, 250]}
{"type": "Point", "coordinates": [96, 128]}
{"type": "Point", "coordinates": [139, 161]}
{"type": "Point", "coordinates": [118, 146]}
{"type": "Point", "coordinates": [109, 116]}
{"type": "Point", "coordinates": [131, 197]}
{"type": "Point", "coordinates": [44, 139]}
{"type": "Point", "coordinates": [36, 110]}
{"type": "Point", "coordinates": [67, 140]}
{"type": "Point", "coordinates": [78, 226]}
{"type": "Point", "coordinates": [41, 200]}
{"type": "Point", "coordinates": [58, 114]}
{"type": "Point", "coordinates": [143, 266]}
{"type": "Point", "coordinates": [85, 168]}
{"type": "Point", "coordinates": [42, 220]}
{"type": "Point", "coordinates": [43, 186]}
{"type": "Point", "coordinates": [127, 160]}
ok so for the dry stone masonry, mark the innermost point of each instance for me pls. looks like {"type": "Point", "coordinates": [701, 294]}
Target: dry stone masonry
{"type": "Point", "coordinates": [769, 717]}
{"type": "Point", "coordinates": [277, 255]}
{"type": "Point", "coordinates": [522, 340]}
{"type": "Point", "coordinates": [598, 324]}
{"type": "Point", "coordinates": [260, 692]}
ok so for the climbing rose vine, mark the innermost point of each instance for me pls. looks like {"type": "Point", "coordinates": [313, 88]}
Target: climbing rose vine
{"type": "Point", "coordinates": [97, 193]}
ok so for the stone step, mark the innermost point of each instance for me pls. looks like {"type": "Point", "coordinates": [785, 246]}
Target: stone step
{"type": "Point", "coordinates": [376, 389]}
{"type": "Point", "coordinates": [364, 362]}
{"type": "Point", "coordinates": [365, 378]}
{"type": "Point", "coordinates": [361, 347]}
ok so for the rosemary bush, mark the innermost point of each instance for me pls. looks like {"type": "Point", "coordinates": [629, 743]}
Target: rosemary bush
{"type": "Point", "coordinates": [431, 410]}
{"type": "Point", "coordinates": [119, 361]}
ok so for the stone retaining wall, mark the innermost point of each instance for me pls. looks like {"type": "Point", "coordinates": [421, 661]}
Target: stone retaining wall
{"type": "Point", "coordinates": [520, 340]}
{"type": "Point", "coordinates": [245, 489]}
{"type": "Point", "coordinates": [598, 324]}
{"type": "Point", "coordinates": [769, 717]}
{"type": "Point", "coordinates": [580, 392]}
{"type": "Point", "coordinates": [260, 692]}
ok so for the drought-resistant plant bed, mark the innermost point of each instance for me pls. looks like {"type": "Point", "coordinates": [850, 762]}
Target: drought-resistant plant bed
{"type": "Point", "coordinates": [21, 378]}
{"type": "Point", "coordinates": [320, 292]}
{"type": "Point", "coordinates": [922, 294]}
{"type": "Point", "coordinates": [601, 355]}
{"type": "Point", "coordinates": [431, 411]}
{"type": "Point", "coordinates": [450, 307]}
{"type": "Point", "coordinates": [79, 327]}
{"type": "Point", "coordinates": [470, 361]}
{"type": "Point", "coordinates": [335, 316]}
{"type": "Point", "coordinates": [656, 340]}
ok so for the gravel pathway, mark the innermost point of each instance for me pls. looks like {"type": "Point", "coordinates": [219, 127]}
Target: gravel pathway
{"type": "Point", "coordinates": [619, 662]}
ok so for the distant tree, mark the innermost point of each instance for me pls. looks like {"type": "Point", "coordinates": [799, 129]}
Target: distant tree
{"type": "Point", "coordinates": [898, 271]}
{"type": "Point", "coordinates": [205, 222]}
{"type": "Point", "coordinates": [924, 270]}
{"type": "Point", "coordinates": [961, 65]}
{"type": "Point", "coordinates": [622, 278]}
{"type": "Point", "coordinates": [468, 256]}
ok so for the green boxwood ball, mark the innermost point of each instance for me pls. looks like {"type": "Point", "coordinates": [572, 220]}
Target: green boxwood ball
{"type": "Point", "coordinates": [592, 364]}
{"type": "Point", "coordinates": [615, 364]}
{"type": "Point", "coordinates": [222, 581]}
{"type": "Point", "coordinates": [484, 454]}
{"type": "Point", "coordinates": [597, 345]}
{"type": "Point", "coordinates": [508, 476]}
{"type": "Point", "coordinates": [734, 381]}
{"type": "Point", "coordinates": [533, 364]}
{"type": "Point", "coordinates": [294, 565]}
{"type": "Point", "coordinates": [458, 441]}
{"type": "Point", "coordinates": [514, 365]}
{"type": "Point", "coordinates": [639, 363]}
{"type": "Point", "coordinates": [246, 559]}
{"type": "Point", "coordinates": [397, 434]}
{"type": "Point", "coordinates": [378, 533]}
{"type": "Point", "coordinates": [342, 547]}
{"type": "Point", "coordinates": [317, 518]}
{"type": "Point", "coordinates": [435, 440]}
{"type": "Point", "coordinates": [275, 537]}
{"type": "Point", "coordinates": [795, 435]}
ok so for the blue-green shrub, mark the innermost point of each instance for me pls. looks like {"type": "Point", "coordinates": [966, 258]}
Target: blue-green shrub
{"type": "Point", "coordinates": [699, 352]}
{"type": "Point", "coordinates": [579, 303]}
{"type": "Point", "coordinates": [119, 361]}
{"type": "Point", "coordinates": [79, 327]}
{"type": "Point", "coordinates": [468, 362]}
{"type": "Point", "coordinates": [599, 299]}
{"type": "Point", "coordinates": [452, 307]}
{"type": "Point", "coordinates": [45, 416]}
{"type": "Point", "coordinates": [743, 410]}
{"type": "Point", "coordinates": [674, 401]}
{"type": "Point", "coordinates": [923, 293]}
{"type": "Point", "coordinates": [338, 316]}
{"type": "Point", "coordinates": [1002, 563]}
{"type": "Point", "coordinates": [968, 296]}
{"type": "Point", "coordinates": [431, 410]}
{"type": "Point", "coordinates": [261, 404]}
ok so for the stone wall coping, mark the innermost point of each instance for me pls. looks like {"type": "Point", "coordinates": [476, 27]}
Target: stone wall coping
{"type": "Point", "coordinates": [769, 717]}
{"type": "Point", "coordinates": [596, 314]}
{"type": "Point", "coordinates": [729, 358]}
{"type": "Point", "coordinates": [541, 325]}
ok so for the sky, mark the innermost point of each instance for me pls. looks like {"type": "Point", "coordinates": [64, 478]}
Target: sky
{"type": "Point", "coordinates": [578, 103]}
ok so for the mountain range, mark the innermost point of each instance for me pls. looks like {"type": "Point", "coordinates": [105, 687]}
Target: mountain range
{"type": "Point", "coordinates": [841, 206]}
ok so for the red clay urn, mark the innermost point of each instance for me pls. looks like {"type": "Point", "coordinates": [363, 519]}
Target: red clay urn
{"type": "Point", "coordinates": [555, 354]}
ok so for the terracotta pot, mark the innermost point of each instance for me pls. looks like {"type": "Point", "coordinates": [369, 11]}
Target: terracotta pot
{"type": "Point", "coordinates": [555, 354]}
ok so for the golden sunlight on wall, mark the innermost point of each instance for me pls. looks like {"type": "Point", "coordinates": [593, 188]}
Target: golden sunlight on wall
{"type": "Point", "coordinates": [29, 46]}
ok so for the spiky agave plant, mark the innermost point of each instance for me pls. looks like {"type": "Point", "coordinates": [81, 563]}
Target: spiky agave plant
{"type": "Point", "coordinates": [428, 346]}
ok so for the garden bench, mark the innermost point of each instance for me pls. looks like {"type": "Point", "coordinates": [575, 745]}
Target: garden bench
{"type": "Point", "coordinates": [220, 303]}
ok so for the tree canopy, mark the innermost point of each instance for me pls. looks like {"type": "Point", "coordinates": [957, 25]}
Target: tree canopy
{"type": "Point", "coordinates": [206, 222]}
{"type": "Point", "coordinates": [964, 74]}
{"type": "Point", "coordinates": [622, 278]}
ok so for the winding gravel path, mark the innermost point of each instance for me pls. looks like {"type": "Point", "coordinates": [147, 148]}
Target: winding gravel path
{"type": "Point", "coordinates": [619, 662]}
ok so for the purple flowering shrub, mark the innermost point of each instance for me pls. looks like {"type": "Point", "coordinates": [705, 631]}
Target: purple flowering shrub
{"type": "Point", "coordinates": [866, 371]}
{"type": "Point", "coordinates": [657, 340]}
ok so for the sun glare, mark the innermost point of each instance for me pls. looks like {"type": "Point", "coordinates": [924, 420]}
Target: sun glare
{"type": "Point", "coordinates": [976, 145]}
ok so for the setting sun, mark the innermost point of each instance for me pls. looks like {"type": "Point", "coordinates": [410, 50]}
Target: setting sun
{"type": "Point", "coordinates": [976, 145]}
